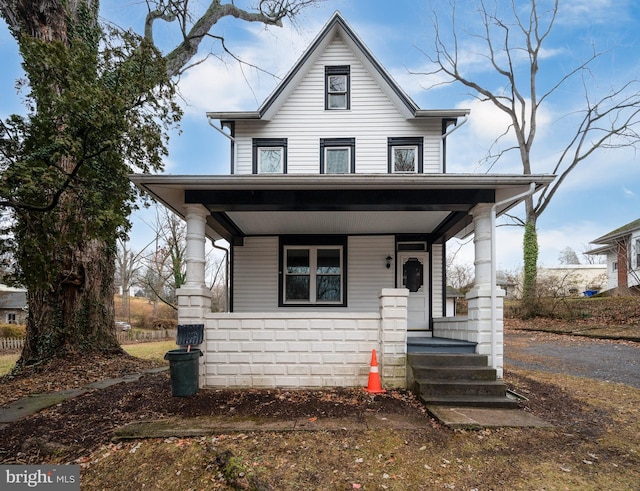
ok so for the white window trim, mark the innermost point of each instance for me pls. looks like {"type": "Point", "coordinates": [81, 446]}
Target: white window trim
{"type": "Point", "coordinates": [259, 156]}
{"type": "Point", "coordinates": [328, 149]}
{"type": "Point", "coordinates": [313, 269]}
{"type": "Point", "coordinates": [393, 158]}
{"type": "Point", "coordinates": [344, 92]}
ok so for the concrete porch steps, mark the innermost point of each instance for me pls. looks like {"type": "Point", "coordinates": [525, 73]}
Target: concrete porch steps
{"type": "Point", "coordinates": [461, 379]}
{"type": "Point", "coordinates": [419, 344]}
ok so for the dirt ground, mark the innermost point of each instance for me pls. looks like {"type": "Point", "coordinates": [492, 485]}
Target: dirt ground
{"type": "Point", "coordinates": [74, 428]}
{"type": "Point", "coordinates": [593, 444]}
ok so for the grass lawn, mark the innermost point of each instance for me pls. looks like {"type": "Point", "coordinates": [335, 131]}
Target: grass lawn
{"type": "Point", "coordinates": [146, 351]}
{"type": "Point", "coordinates": [150, 351]}
{"type": "Point", "coordinates": [7, 362]}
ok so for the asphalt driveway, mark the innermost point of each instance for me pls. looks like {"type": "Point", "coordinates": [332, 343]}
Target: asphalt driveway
{"type": "Point", "coordinates": [612, 361]}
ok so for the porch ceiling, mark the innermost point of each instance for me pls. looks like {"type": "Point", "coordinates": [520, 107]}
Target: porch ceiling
{"type": "Point", "coordinates": [336, 222]}
{"type": "Point", "coordinates": [434, 205]}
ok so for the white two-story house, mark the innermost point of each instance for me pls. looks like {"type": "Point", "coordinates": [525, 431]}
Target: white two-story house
{"type": "Point", "coordinates": [337, 210]}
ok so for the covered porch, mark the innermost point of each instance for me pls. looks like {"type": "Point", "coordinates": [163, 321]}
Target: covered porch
{"type": "Point", "coordinates": [331, 346]}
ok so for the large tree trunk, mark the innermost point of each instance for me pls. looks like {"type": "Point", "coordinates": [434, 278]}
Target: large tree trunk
{"type": "Point", "coordinates": [70, 286]}
{"type": "Point", "coordinates": [530, 259]}
{"type": "Point", "coordinates": [77, 313]}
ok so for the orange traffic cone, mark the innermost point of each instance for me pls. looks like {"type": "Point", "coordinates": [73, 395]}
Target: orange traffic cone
{"type": "Point", "coordinates": [374, 386]}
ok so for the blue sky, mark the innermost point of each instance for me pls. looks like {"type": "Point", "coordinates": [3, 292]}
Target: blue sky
{"type": "Point", "coordinates": [602, 194]}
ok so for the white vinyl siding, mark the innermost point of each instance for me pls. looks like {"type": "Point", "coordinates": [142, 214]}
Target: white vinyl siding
{"type": "Point", "coordinates": [367, 271]}
{"type": "Point", "coordinates": [371, 119]}
{"type": "Point", "coordinates": [612, 273]}
{"type": "Point", "coordinates": [255, 274]}
{"type": "Point", "coordinates": [436, 285]}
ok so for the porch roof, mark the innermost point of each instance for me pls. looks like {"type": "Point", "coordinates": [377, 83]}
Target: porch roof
{"type": "Point", "coordinates": [433, 206]}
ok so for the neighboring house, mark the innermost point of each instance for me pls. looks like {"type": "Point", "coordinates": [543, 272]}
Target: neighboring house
{"type": "Point", "coordinates": [337, 210]}
{"type": "Point", "coordinates": [622, 249]}
{"type": "Point", "coordinates": [574, 279]}
{"type": "Point", "coordinates": [13, 305]}
{"type": "Point", "coordinates": [451, 301]}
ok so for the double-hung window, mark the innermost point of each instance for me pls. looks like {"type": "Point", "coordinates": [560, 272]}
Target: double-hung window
{"type": "Point", "coordinates": [337, 87]}
{"type": "Point", "coordinates": [337, 155]}
{"type": "Point", "coordinates": [405, 155]}
{"type": "Point", "coordinates": [637, 253]}
{"type": "Point", "coordinates": [313, 275]}
{"type": "Point", "coordinates": [269, 155]}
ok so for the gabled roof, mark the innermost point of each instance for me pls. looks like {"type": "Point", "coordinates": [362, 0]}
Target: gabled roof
{"type": "Point", "coordinates": [13, 300]}
{"type": "Point", "coordinates": [338, 27]}
{"type": "Point", "coordinates": [618, 233]}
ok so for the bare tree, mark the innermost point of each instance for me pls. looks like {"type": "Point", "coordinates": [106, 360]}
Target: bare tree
{"type": "Point", "coordinates": [459, 276]}
{"type": "Point", "coordinates": [128, 265]}
{"type": "Point", "coordinates": [511, 41]}
{"type": "Point", "coordinates": [165, 264]}
{"type": "Point", "coordinates": [568, 256]}
{"type": "Point", "coordinates": [592, 258]}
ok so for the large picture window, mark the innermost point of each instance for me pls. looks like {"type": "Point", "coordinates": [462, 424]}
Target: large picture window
{"type": "Point", "coordinates": [405, 155]}
{"type": "Point", "coordinates": [269, 155]}
{"type": "Point", "coordinates": [313, 275]}
{"type": "Point", "coordinates": [337, 87]}
{"type": "Point", "coordinates": [337, 155]}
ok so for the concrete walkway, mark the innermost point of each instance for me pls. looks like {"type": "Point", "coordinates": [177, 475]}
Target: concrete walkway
{"type": "Point", "coordinates": [36, 402]}
{"type": "Point", "coordinates": [455, 417]}
{"type": "Point", "coordinates": [478, 417]}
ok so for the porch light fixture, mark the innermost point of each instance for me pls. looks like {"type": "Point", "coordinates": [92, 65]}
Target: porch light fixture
{"type": "Point", "coordinates": [388, 259]}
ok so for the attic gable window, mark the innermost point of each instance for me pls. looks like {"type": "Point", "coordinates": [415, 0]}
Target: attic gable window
{"type": "Point", "coordinates": [337, 155]}
{"type": "Point", "coordinates": [269, 155]}
{"type": "Point", "coordinates": [405, 155]}
{"type": "Point", "coordinates": [337, 87]}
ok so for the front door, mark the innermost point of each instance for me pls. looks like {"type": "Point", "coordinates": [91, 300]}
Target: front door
{"type": "Point", "coordinates": [413, 274]}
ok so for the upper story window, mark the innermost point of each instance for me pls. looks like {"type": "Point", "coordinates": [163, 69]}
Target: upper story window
{"type": "Point", "coordinates": [269, 155]}
{"type": "Point", "coordinates": [405, 155]}
{"type": "Point", "coordinates": [638, 253]}
{"type": "Point", "coordinates": [337, 155]}
{"type": "Point", "coordinates": [337, 87]}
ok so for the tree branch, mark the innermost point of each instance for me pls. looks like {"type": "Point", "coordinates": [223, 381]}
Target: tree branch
{"type": "Point", "coordinates": [269, 12]}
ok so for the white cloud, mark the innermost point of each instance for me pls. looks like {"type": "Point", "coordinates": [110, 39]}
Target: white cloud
{"type": "Point", "coordinates": [593, 12]}
{"type": "Point", "coordinates": [216, 85]}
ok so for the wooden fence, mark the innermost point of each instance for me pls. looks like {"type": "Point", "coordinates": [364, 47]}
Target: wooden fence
{"type": "Point", "coordinates": [11, 343]}
{"type": "Point", "coordinates": [124, 337]}
{"type": "Point", "coordinates": [137, 336]}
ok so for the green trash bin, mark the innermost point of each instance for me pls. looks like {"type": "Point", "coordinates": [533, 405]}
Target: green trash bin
{"type": "Point", "coordinates": [184, 370]}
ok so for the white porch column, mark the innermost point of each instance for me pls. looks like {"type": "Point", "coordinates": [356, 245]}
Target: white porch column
{"type": "Point", "coordinates": [483, 328]}
{"type": "Point", "coordinates": [482, 243]}
{"type": "Point", "coordinates": [196, 216]}
{"type": "Point", "coordinates": [194, 298]}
